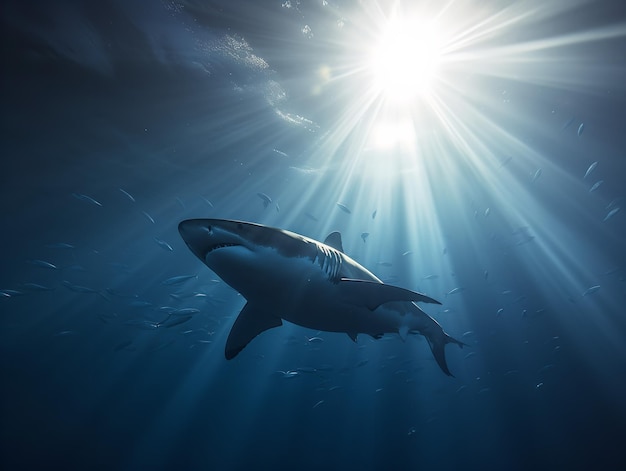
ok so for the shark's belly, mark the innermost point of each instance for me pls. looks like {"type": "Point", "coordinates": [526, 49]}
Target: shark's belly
{"type": "Point", "coordinates": [318, 304]}
{"type": "Point", "coordinates": [298, 291]}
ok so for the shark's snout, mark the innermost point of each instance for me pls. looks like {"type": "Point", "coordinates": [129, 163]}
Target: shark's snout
{"type": "Point", "coordinates": [197, 235]}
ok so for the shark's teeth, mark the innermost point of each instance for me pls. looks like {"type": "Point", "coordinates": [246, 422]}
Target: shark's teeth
{"type": "Point", "coordinates": [220, 246]}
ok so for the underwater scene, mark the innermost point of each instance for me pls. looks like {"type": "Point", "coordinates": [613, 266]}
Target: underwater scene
{"type": "Point", "coordinates": [313, 235]}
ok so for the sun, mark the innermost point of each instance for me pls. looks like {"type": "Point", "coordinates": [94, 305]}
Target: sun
{"type": "Point", "coordinates": [405, 59]}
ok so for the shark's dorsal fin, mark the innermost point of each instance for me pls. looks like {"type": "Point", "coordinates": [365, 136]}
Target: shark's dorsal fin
{"type": "Point", "coordinates": [334, 240]}
{"type": "Point", "coordinates": [352, 335]}
{"type": "Point", "coordinates": [372, 294]}
{"type": "Point", "coordinates": [250, 323]}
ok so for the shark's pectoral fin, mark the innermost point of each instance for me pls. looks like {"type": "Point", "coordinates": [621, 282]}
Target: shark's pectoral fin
{"type": "Point", "coordinates": [372, 293]}
{"type": "Point", "coordinates": [251, 321]}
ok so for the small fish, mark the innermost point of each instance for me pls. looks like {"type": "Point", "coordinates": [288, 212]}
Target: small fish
{"type": "Point", "coordinates": [75, 267]}
{"type": "Point", "coordinates": [43, 264]}
{"type": "Point", "coordinates": [177, 280]}
{"type": "Point", "coordinates": [306, 369]}
{"type": "Point", "coordinates": [9, 293]}
{"type": "Point", "coordinates": [194, 294]}
{"type": "Point", "coordinates": [614, 202]}
{"type": "Point", "coordinates": [207, 202]}
{"type": "Point", "coordinates": [65, 333]}
{"type": "Point", "coordinates": [148, 217]}
{"type": "Point", "coordinates": [408, 252]}
{"type": "Point", "coordinates": [318, 403]}
{"type": "Point", "coordinates": [127, 194]}
{"type": "Point", "coordinates": [35, 287]}
{"type": "Point", "coordinates": [470, 355]}
{"type": "Point", "coordinates": [364, 236]}
{"type": "Point", "coordinates": [288, 373]}
{"type": "Point", "coordinates": [164, 245]}
{"type": "Point", "coordinates": [536, 175]}
{"type": "Point", "coordinates": [548, 367]}
{"type": "Point", "coordinates": [310, 216]}
{"type": "Point", "coordinates": [89, 199]}
{"type": "Point", "coordinates": [500, 311]}
{"type": "Point", "coordinates": [454, 291]}
{"type": "Point", "coordinates": [77, 288]}
{"type": "Point", "coordinates": [166, 309]}
{"type": "Point", "coordinates": [610, 214]}
{"type": "Point", "coordinates": [567, 123]}
{"type": "Point", "coordinates": [280, 152]}
{"type": "Point", "coordinates": [590, 169]}
{"type": "Point", "coordinates": [374, 214]}
{"type": "Point", "coordinates": [431, 277]}
{"type": "Point", "coordinates": [174, 321]}
{"type": "Point", "coordinates": [612, 271]}
{"type": "Point", "coordinates": [182, 205]}
{"type": "Point", "coordinates": [185, 311]}
{"type": "Point", "coordinates": [266, 199]}
{"type": "Point", "coordinates": [468, 333]}
{"type": "Point", "coordinates": [581, 128]}
{"type": "Point", "coordinates": [314, 339]}
{"type": "Point", "coordinates": [596, 185]}
{"type": "Point", "coordinates": [277, 207]}
{"type": "Point", "coordinates": [60, 245]}
{"type": "Point", "coordinates": [505, 161]}
{"type": "Point", "coordinates": [344, 208]}
{"type": "Point", "coordinates": [142, 324]}
{"type": "Point", "coordinates": [140, 303]}
{"type": "Point", "coordinates": [385, 264]}
{"type": "Point", "coordinates": [487, 211]}
{"type": "Point", "coordinates": [591, 290]}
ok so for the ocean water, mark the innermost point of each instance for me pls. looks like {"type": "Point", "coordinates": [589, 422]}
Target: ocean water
{"type": "Point", "coordinates": [496, 187]}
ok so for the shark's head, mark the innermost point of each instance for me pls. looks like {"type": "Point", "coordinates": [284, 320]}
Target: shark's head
{"type": "Point", "coordinates": [221, 241]}
{"type": "Point", "coordinates": [246, 256]}
{"type": "Point", "coordinates": [207, 237]}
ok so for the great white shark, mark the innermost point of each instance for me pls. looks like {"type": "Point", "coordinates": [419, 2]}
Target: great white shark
{"type": "Point", "coordinates": [287, 276]}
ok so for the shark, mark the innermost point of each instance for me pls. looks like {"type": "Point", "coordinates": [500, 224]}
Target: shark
{"type": "Point", "coordinates": [285, 276]}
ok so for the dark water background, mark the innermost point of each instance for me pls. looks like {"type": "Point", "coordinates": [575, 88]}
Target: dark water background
{"type": "Point", "coordinates": [193, 108]}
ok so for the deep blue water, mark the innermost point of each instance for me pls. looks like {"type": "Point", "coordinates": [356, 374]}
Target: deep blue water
{"type": "Point", "coordinates": [120, 119]}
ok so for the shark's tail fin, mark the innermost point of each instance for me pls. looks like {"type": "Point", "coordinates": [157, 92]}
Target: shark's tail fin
{"type": "Point", "coordinates": [437, 341]}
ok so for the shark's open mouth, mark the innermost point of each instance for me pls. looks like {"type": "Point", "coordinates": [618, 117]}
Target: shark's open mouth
{"type": "Point", "coordinates": [220, 246]}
